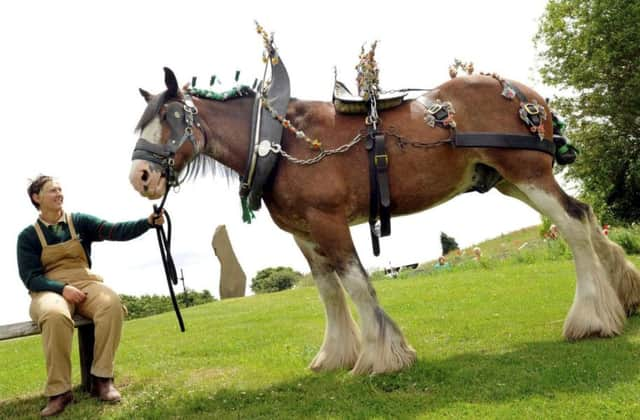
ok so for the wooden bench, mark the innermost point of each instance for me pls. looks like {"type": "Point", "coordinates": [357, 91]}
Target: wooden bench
{"type": "Point", "coordinates": [85, 342]}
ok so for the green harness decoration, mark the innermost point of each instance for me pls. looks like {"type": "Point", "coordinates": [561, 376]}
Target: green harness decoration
{"type": "Point", "coordinates": [566, 153]}
{"type": "Point", "coordinates": [234, 92]}
{"type": "Point", "coordinates": [247, 213]}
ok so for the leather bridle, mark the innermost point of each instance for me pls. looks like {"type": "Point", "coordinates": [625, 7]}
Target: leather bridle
{"type": "Point", "coordinates": [182, 117]}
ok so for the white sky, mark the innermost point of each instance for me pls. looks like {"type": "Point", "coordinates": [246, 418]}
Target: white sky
{"type": "Point", "coordinates": [71, 72]}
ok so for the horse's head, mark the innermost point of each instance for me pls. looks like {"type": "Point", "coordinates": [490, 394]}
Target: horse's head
{"type": "Point", "coordinates": [168, 139]}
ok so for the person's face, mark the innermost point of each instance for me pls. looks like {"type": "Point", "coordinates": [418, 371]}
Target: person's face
{"type": "Point", "coordinates": [50, 197]}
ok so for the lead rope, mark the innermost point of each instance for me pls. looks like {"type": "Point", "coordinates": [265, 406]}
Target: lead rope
{"type": "Point", "coordinates": [164, 243]}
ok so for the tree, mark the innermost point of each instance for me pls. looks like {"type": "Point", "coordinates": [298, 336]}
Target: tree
{"type": "Point", "coordinates": [275, 279]}
{"type": "Point", "coordinates": [591, 50]}
{"type": "Point", "coordinates": [448, 243]}
{"type": "Point", "coordinates": [147, 305]}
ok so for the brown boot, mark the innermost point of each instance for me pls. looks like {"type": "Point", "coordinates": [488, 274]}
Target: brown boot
{"type": "Point", "coordinates": [57, 404]}
{"type": "Point", "coordinates": [105, 391]}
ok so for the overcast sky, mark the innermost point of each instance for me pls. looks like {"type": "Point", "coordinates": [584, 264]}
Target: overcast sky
{"type": "Point", "coordinates": [71, 72]}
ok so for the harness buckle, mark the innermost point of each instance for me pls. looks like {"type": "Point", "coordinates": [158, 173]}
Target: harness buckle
{"type": "Point", "coordinates": [384, 157]}
{"type": "Point", "coordinates": [434, 107]}
{"type": "Point", "coordinates": [531, 108]}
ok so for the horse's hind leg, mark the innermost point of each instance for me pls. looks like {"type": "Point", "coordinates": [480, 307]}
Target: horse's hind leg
{"type": "Point", "coordinates": [341, 344]}
{"type": "Point", "coordinates": [383, 346]}
{"type": "Point", "coordinates": [623, 275]}
{"type": "Point", "coordinates": [596, 309]}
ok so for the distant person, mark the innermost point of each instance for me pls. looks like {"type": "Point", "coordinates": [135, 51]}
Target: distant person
{"type": "Point", "coordinates": [605, 230]}
{"type": "Point", "coordinates": [477, 253]}
{"type": "Point", "coordinates": [54, 260]}
{"type": "Point", "coordinates": [442, 263]}
{"type": "Point", "coordinates": [553, 233]}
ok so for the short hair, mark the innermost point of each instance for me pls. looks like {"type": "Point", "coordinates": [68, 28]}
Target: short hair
{"type": "Point", "coordinates": [36, 186]}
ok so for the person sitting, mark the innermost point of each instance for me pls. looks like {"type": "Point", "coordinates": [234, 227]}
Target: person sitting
{"type": "Point", "coordinates": [477, 253]}
{"type": "Point", "coordinates": [54, 261]}
{"type": "Point", "coordinates": [553, 232]}
{"type": "Point", "coordinates": [441, 263]}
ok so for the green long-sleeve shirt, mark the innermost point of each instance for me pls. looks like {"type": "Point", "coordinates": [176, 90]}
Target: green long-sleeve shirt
{"type": "Point", "coordinates": [89, 229]}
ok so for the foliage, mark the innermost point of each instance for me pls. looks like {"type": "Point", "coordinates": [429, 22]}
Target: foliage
{"type": "Point", "coordinates": [275, 279]}
{"type": "Point", "coordinates": [627, 238]}
{"type": "Point", "coordinates": [147, 305]}
{"type": "Point", "coordinates": [591, 50]}
{"type": "Point", "coordinates": [448, 243]}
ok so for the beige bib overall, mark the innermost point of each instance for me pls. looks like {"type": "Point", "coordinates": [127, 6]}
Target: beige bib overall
{"type": "Point", "coordinates": [67, 262]}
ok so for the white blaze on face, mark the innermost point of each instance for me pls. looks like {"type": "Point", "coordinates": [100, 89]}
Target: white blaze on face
{"type": "Point", "coordinates": [145, 177]}
{"type": "Point", "coordinates": [152, 132]}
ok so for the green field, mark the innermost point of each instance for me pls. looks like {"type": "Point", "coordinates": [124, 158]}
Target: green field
{"type": "Point", "coordinates": [488, 338]}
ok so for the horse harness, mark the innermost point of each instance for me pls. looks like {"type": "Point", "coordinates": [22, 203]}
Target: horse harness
{"type": "Point", "coordinates": [182, 117]}
{"type": "Point", "coordinates": [441, 114]}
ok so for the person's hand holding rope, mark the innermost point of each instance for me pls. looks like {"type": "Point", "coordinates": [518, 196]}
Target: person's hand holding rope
{"type": "Point", "coordinates": [156, 219]}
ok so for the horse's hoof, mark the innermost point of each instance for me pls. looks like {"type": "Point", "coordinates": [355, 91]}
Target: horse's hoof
{"type": "Point", "coordinates": [398, 358]}
{"type": "Point", "coordinates": [325, 363]}
{"type": "Point", "coordinates": [591, 318]}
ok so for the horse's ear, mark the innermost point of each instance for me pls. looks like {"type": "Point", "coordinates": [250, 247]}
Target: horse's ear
{"type": "Point", "coordinates": [146, 95]}
{"type": "Point", "coordinates": [171, 82]}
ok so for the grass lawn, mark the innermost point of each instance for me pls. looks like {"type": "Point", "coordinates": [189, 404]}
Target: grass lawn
{"type": "Point", "coordinates": [488, 339]}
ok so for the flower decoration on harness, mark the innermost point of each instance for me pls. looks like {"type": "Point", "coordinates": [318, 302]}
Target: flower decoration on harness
{"type": "Point", "coordinates": [438, 113]}
{"type": "Point", "coordinates": [314, 144]}
{"type": "Point", "coordinates": [270, 52]}
{"type": "Point", "coordinates": [508, 91]}
{"type": "Point", "coordinates": [533, 115]}
{"type": "Point", "coordinates": [457, 65]}
{"type": "Point", "coordinates": [367, 78]}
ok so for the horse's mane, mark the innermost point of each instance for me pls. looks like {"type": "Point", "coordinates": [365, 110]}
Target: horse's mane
{"type": "Point", "coordinates": [203, 164]}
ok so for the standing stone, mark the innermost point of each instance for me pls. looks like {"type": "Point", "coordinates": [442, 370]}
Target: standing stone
{"type": "Point", "coordinates": [232, 278]}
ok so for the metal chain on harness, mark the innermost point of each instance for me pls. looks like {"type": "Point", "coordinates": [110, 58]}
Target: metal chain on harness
{"type": "Point", "coordinates": [276, 148]}
{"type": "Point", "coordinates": [373, 117]}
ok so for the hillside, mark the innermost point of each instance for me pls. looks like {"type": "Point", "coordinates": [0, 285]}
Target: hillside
{"type": "Point", "coordinates": [488, 339]}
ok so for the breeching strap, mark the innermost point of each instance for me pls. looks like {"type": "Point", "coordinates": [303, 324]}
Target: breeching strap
{"type": "Point", "coordinates": [164, 243]}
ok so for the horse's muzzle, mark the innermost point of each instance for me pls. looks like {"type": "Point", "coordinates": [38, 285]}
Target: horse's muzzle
{"type": "Point", "coordinates": [147, 179]}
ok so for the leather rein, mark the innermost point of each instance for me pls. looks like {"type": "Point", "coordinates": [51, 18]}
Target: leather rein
{"type": "Point", "coordinates": [181, 116]}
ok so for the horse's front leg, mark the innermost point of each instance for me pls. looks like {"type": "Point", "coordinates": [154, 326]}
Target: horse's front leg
{"type": "Point", "coordinates": [341, 344]}
{"type": "Point", "coordinates": [384, 348]}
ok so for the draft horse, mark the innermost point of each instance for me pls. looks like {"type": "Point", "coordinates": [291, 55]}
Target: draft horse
{"type": "Point", "coordinates": [317, 203]}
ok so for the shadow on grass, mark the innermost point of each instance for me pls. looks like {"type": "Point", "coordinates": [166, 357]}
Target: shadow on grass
{"type": "Point", "coordinates": [29, 407]}
{"type": "Point", "coordinates": [542, 370]}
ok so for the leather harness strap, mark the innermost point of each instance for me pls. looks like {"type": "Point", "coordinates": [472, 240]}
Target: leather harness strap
{"type": "Point", "coordinates": [379, 195]}
{"type": "Point", "coordinates": [504, 141]}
